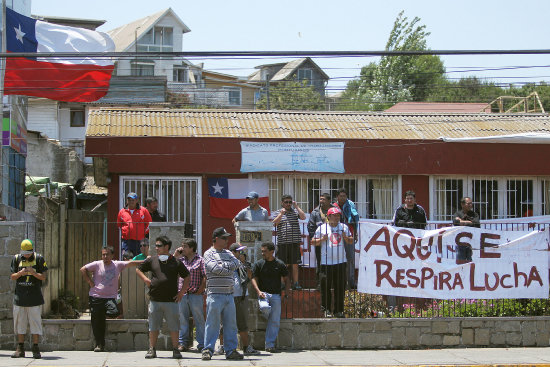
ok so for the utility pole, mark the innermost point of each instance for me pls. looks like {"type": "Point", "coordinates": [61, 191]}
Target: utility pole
{"type": "Point", "coordinates": [267, 87]}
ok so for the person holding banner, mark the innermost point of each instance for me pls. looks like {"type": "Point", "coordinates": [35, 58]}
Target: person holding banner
{"type": "Point", "coordinates": [332, 237]}
{"type": "Point", "coordinates": [410, 214]}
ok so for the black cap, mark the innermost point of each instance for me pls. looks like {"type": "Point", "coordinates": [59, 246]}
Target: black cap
{"type": "Point", "coordinates": [220, 232]}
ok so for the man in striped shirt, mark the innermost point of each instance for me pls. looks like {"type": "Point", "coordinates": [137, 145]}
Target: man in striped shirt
{"type": "Point", "coordinates": [220, 264]}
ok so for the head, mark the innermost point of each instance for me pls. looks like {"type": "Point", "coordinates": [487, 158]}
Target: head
{"type": "Point", "coordinates": [27, 248]}
{"type": "Point", "coordinates": [342, 196]}
{"type": "Point", "coordinates": [252, 198]}
{"type": "Point", "coordinates": [237, 249]}
{"type": "Point", "coordinates": [410, 199]}
{"type": "Point", "coordinates": [324, 201]}
{"type": "Point", "coordinates": [132, 200]}
{"type": "Point", "coordinates": [163, 245]}
{"type": "Point", "coordinates": [467, 204]}
{"type": "Point", "coordinates": [219, 238]}
{"type": "Point", "coordinates": [107, 254]}
{"type": "Point", "coordinates": [286, 202]}
{"type": "Point", "coordinates": [144, 246]}
{"type": "Point", "coordinates": [334, 215]}
{"type": "Point", "coordinates": [189, 247]}
{"type": "Point", "coordinates": [152, 204]}
{"type": "Point", "coordinates": [268, 249]}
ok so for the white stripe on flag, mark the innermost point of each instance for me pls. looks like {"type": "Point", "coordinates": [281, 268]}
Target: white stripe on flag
{"type": "Point", "coordinates": [239, 188]}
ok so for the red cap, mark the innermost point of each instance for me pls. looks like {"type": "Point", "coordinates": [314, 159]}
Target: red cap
{"type": "Point", "coordinates": [334, 211]}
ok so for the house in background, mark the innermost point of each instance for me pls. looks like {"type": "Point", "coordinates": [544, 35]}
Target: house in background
{"type": "Point", "coordinates": [231, 91]}
{"type": "Point", "coordinates": [304, 69]}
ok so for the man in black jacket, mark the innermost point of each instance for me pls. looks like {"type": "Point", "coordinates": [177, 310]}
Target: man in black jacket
{"type": "Point", "coordinates": [410, 214]}
{"type": "Point", "coordinates": [152, 205]}
{"type": "Point", "coordinates": [317, 217]}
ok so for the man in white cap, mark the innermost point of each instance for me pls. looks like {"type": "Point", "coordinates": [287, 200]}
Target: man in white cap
{"type": "Point", "coordinates": [253, 212]}
{"type": "Point", "coordinates": [28, 269]}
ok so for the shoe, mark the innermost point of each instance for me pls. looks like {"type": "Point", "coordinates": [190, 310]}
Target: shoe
{"type": "Point", "coordinates": [250, 351]}
{"type": "Point", "coordinates": [206, 355]}
{"type": "Point", "coordinates": [339, 315]}
{"type": "Point", "coordinates": [328, 314]}
{"type": "Point", "coordinates": [176, 354]}
{"type": "Point", "coordinates": [220, 351]}
{"type": "Point", "coordinates": [151, 353]}
{"type": "Point", "coordinates": [36, 352]}
{"type": "Point", "coordinates": [182, 348]}
{"type": "Point", "coordinates": [296, 287]}
{"type": "Point", "coordinates": [19, 352]}
{"type": "Point", "coordinates": [234, 355]}
{"type": "Point", "coordinates": [272, 350]}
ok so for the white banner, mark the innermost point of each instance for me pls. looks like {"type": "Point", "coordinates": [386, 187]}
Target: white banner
{"type": "Point", "coordinates": [417, 263]}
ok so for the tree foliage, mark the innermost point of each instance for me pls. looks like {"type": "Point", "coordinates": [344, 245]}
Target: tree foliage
{"type": "Point", "coordinates": [292, 95]}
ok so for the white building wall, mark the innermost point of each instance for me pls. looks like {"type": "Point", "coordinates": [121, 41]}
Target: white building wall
{"type": "Point", "coordinates": [42, 116]}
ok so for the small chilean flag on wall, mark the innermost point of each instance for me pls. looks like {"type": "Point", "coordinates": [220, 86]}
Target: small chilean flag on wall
{"type": "Point", "coordinates": [228, 196]}
{"type": "Point", "coordinates": [70, 79]}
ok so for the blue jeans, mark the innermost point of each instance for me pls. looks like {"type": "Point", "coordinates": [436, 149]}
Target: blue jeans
{"type": "Point", "coordinates": [220, 308]}
{"type": "Point", "coordinates": [191, 304]}
{"type": "Point", "coordinates": [270, 306]}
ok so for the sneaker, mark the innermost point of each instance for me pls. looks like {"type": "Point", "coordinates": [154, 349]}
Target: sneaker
{"type": "Point", "coordinates": [99, 348]}
{"type": "Point", "coordinates": [36, 352]}
{"type": "Point", "coordinates": [182, 348]}
{"type": "Point", "coordinates": [234, 355]}
{"type": "Point", "coordinates": [272, 350]}
{"type": "Point", "coordinates": [296, 286]}
{"type": "Point", "coordinates": [19, 352]}
{"type": "Point", "coordinates": [339, 315]}
{"type": "Point", "coordinates": [206, 355]}
{"type": "Point", "coordinates": [220, 351]}
{"type": "Point", "coordinates": [250, 351]}
{"type": "Point", "coordinates": [176, 354]}
{"type": "Point", "coordinates": [151, 353]}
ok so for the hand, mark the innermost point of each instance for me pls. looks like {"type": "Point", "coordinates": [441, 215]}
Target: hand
{"type": "Point", "coordinates": [148, 282]}
{"type": "Point", "coordinates": [261, 295]}
{"type": "Point", "coordinates": [283, 211]}
{"type": "Point", "coordinates": [91, 284]}
{"type": "Point", "coordinates": [178, 297]}
{"type": "Point", "coordinates": [30, 270]}
{"type": "Point", "coordinates": [325, 237]}
{"type": "Point", "coordinates": [294, 204]}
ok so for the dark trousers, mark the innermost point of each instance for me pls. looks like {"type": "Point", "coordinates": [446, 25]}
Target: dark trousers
{"type": "Point", "coordinates": [333, 277]}
{"type": "Point", "coordinates": [98, 313]}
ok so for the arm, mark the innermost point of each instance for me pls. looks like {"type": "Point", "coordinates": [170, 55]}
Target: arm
{"type": "Point", "coordinates": [318, 237]}
{"type": "Point", "coordinates": [301, 213]}
{"type": "Point", "coordinates": [346, 234]}
{"type": "Point", "coordinates": [215, 265]}
{"type": "Point", "coordinates": [312, 224]}
{"type": "Point", "coordinates": [256, 288]}
{"type": "Point", "coordinates": [147, 219]}
{"type": "Point", "coordinates": [86, 277]}
{"type": "Point", "coordinates": [34, 273]}
{"type": "Point", "coordinates": [143, 277]}
{"type": "Point", "coordinates": [287, 286]}
{"type": "Point", "coordinates": [183, 289]}
{"type": "Point", "coordinates": [279, 217]}
{"type": "Point", "coordinates": [134, 263]}
{"type": "Point", "coordinates": [202, 286]}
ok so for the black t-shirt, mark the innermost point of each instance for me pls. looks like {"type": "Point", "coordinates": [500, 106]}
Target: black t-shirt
{"type": "Point", "coordinates": [268, 275]}
{"type": "Point", "coordinates": [164, 277]}
{"type": "Point", "coordinates": [27, 287]}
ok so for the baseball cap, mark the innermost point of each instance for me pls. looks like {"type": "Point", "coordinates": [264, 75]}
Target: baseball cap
{"type": "Point", "coordinates": [236, 247]}
{"type": "Point", "coordinates": [220, 232]}
{"type": "Point", "coordinates": [334, 211]}
{"type": "Point", "coordinates": [27, 247]}
{"type": "Point", "coordinates": [252, 195]}
{"type": "Point", "coordinates": [132, 195]}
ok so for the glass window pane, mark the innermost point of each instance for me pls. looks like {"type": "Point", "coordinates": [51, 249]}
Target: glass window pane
{"type": "Point", "coordinates": [519, 198]}
{"type": "Point", "coordinates": [485, 198]}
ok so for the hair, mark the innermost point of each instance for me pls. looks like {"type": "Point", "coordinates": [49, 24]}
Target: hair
{"type": "Point", "coordinates": [326, 196]}
{"type": "Point", "coordinates": [410, 193]}
{"type": "Point", "coordinates": [463, 200]}
{"type": "Point", "coordinates": [111, 249]}
{"type": "Point", "coordinates": [269, 245]}
{"type": "Point", "coordinates": [151, 199]}
{"type": "Point", "coordinates": [286, 196]}
{"type": "Point", "coordinates": [165, 241]}
{"type": "Point", "coordinates": [191, 243]}
{"type": "Point", "coordinates": [342, 190]}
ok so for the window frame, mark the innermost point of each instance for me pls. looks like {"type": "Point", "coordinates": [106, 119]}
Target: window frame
{"type": "Point", "coordinates": [233, 89]}
{"type": "Point", "coordinates": [72, 121]}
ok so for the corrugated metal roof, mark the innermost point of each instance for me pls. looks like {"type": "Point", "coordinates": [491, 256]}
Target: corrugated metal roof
{"type": "Point", "coordinates": [127, 122]}
{"type": "Point", "coordinates": [439, 107]}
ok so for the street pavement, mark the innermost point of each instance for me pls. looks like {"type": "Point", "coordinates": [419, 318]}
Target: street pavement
{"type": "Point", "coordinates": [427, 357]}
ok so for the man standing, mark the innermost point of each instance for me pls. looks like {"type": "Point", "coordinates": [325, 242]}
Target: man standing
{"type": "Point", "coordinates": [133, 221]}
{"type": "Point", "coordinates": [220, 264]}
{"type": "Point", "coordinates": [152, 205]}
{"type": "Point", "coordinates": [410, 214]}
{"type": "Point", "coordinates": [192, 301]}
{"type": "Point", "coordinates": [266, 280]}
{"type": "Point", "coordinates": [330, 237]}
{"type": "Point", "coordinates": [103, 291]}
{"type": "Point", "coordinates": [163, 293]}
{"type": "Point", "coordinates": [254, 212]}
{"type": "Point", "coordinates": [317, 217]}
{"type": "Point", "coordinates": [289, 236]}
{"type": "Point", "coordinates": [28, 269]}
{"type": "Point", "coordinates": [465, 217]}
{"type": "Point", "coordinates": [349, 216]}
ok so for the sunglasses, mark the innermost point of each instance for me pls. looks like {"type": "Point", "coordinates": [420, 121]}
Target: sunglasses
{"type": "Point", "coordinates": [287, 202]}
{"type": "Point", "coordinates": [159, 245]}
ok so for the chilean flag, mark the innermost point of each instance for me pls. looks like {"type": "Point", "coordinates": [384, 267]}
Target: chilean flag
{"type": "Point", "coordinates": [228, 196]}
{"type": "Point", "coordinates": [78, 79]}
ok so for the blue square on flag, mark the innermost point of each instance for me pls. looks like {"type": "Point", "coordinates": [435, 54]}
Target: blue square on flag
{"type": "Point", "coordinates": [20, 33]}
{"type": "Point", "coordinates": [218, 188]}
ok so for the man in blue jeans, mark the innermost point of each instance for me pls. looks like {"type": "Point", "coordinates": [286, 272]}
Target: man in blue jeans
{"type": "Point", "coordinates": [266, 280]}
{"type": "Point", "coordinates": [220, 264]}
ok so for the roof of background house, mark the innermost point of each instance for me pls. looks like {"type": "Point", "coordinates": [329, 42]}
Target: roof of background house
{"type": "Point", "coordinates": [128, 122]}
{"type": "Point", "coordinates": [438, 107]}
{"type": "Point", "coordinates": [288, 69]}
{"type": "Point", "coordinates": [71, 22]}
{"type": "Point", "coordinates": [125, 36]}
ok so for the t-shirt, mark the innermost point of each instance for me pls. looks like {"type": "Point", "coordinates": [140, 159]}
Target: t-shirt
{"type": "Point", "coordinates": [105, 278]}
{"type": "Point", "coordinates": [250, 215]}
{"type": "Point", "coordinates": [164, 277]}
{"type": "Point", "coordinates": [332, 250]}
{"type": "Point", "coordinates": [288, 229]}
{"type": "Point", "coordinates": [268, 275]}
{"type": "Point", "coordinates": [27, 287]}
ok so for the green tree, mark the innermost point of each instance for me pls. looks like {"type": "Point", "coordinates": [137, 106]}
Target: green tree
{"type": "Point", "coordinates": [397, 78]}
{"type": "Point", "coordinates": [292, 95]}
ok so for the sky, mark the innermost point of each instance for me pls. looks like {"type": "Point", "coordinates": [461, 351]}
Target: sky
{"type": "Point", "coordinates": [344, 25]}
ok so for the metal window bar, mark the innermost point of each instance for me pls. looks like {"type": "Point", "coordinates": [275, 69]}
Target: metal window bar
{"type": "Point", "coordinates": [448, 192]}
{"type": "Point", "coordinates": [519, 198]}
{"type": "Point", "coordinates": [485, 198]}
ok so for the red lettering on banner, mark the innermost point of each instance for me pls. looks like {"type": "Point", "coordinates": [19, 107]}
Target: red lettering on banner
{"type": "Point", "coordinates": [458, 281]}
{"type": "Point", "coordinates": [408, 249]}
{"type": "Point", "coordinates": [411, 274]}
{"type": "Point", "coordinates": [425, 274]}
{"type": "Point", "coordinates": [444, 278]}
{"type": "Point", "coordinates": [419, 253]}
{"type": "Point", "coordinates": [489, 288]}
{"type": "Point", "coordinates": [383, 275]}
{"type": "Point", "coordinates": [488, 255]}
{"type": "Point", "coordinates": [534, 276]}
{"type": "Point", "coordinates": [502, 281]}
{"type": "Point", "coordinates": [518, 274]}
{"type": "Point", "coordinates": [399, 277]}
{"type": "Point", "coordinates": [440, 245]}
{"type": "Point", "coordinates": [374, 240]}
{"type": "Point", "coordinates": [473, 287]}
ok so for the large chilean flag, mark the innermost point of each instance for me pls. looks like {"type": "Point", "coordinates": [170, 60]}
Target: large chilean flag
{"type": "Point", "coordinates": [78, 79]}
{"type": "Point", "coordinates": [228, 196]}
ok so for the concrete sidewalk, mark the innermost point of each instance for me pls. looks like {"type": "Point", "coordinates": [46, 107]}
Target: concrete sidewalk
{"type": "Point", "coordinates": [431, 357]}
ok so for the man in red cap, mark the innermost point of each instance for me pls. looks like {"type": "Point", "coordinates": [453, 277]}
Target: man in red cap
{"type": "Point", "coordinates": [331, 237]}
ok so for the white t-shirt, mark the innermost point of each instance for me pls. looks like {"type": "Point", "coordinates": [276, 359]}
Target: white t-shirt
{"type": "Point", "coordinates": [332, 250]}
